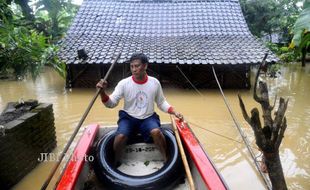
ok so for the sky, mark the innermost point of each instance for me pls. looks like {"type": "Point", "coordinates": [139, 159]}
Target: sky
{"type": "Point", "coordinates": [77, 2]}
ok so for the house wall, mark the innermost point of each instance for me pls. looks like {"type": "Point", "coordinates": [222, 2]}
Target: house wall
{"type": "Point", "coordinates": [201, 76]}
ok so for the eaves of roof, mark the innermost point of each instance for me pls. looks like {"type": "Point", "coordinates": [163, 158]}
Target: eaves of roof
{"type": "Point", "coordinates": [177, 32]}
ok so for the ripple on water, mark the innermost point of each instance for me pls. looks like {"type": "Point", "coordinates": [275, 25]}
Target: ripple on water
{"type": "Point", "coordinates": [209, 112]}
{"type": "Point", "coordinates": [291, 164]}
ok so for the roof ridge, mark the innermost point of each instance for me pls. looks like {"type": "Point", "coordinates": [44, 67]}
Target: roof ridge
{"type": "Point", "coordinates": [179, 31]}
{"type": "Point", "coordinates": [161, 1]}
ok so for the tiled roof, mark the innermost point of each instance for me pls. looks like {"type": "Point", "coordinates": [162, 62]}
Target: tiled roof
{"type": "Point", "coordinates": [168, 31]}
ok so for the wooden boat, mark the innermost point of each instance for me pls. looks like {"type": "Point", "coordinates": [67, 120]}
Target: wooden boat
{"type": "Point", "coordinates": [142, 165]}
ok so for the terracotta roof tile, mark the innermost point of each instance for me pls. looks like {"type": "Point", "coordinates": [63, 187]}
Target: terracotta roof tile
{"type": "Point", "coordinates": [168, 31]}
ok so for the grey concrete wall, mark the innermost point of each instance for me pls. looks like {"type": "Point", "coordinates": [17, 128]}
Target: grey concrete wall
{"type": "Point", "coordinates": [25, 138]}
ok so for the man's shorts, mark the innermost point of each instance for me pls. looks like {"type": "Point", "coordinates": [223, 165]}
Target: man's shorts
{"type": "Point", "coordinates": [130, 126]}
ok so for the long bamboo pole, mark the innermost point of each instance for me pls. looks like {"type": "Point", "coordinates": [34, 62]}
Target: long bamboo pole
{"type": "Point", "coordinates": [48, 180]}
{"type": "Point", "coordinates": [183, 156]}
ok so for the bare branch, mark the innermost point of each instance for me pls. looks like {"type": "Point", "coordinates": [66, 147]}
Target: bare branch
{"type": "Point", "coordinates": [264, 102]}
{"type": "Point", "coordinates": [281, 134]}
{"type": "Point", "coordinates": [244, 113]}
{"type": "Point", "coordinates": [264, 94]}
{"type": "Point", "coordinates": [280, 112]}
{"type": "Point", "coordinates": [257, 128]}
{"type": "Point", "coordinates": [255, 96]}
{"type": "Point", "coordinates": [274, 103]}
{"type": "Point", "coordinates": [255, 119]}
{"type": "Point", "coordinates": [278, 119]}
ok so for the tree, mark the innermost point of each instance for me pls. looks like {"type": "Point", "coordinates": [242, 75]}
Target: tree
{"type": "Point", "coordinates": [261, 16]}
{"type": "Point", "coordinates": [48, 16]}
{"type": "Point", "coordinates": [59, 15]}
{"type": "Point", "coordinates": [21, 50]}
{"type": "Point", "coordinates": [269, 137]}
{"type": "Point", "coordinates": [27, 34]}
{"type": "Point", "coordinates": [301, 32]}
{"type": "Point", "coordinates": [270, 16]}
{"type": "Point", "coordinates": [6, 12]}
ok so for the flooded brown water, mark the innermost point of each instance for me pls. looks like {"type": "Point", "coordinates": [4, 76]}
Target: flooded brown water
{"type": "Point", "coordinates": [207, 115]}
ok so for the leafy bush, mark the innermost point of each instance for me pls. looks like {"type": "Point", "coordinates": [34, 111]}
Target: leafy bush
{"type": "Point", "coordinates": [273, 70]}
{"type": "Point", "coordinates": [283, 52]}
{"type": "Point", "coordinates": [273, 47]}
{"type": "Point", "coordinates": [27, 39]}
{"type": "Point", "coordinates": [301, 29]}
{"type": "Point", "coordinates": [289, 56]}
{"type": "Point", "coordinates": [52, 60]}
{"type": "Point", "coordinates": [21, 50]}
{"type": "Point", "coordinates": [25, 51]}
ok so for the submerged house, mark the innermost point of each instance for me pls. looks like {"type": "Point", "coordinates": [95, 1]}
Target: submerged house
{"type": "Point", "coordinates": [180, 37]}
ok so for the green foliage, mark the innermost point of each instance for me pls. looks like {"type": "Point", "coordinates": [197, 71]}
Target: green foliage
{"type": "Point", "coordinates": [273, 70]}
{"type": "Point", "coordinates": [277, 16]}
{"type": "Point", "coordinates": [284, 53]}
{"type": "Point", "coordinates": [289, 56]}
{"type": "Point", "coordinates": [52, 60]}
{"type": "Point", "coordinates": [274, 48]}
{"type": "Point", "coordinates": [270, 16]}
{"type": "Point", "coordinates": [21, 50]}
{"type": "Point", "coordinates": [284, 49]}
{"type": "Point", "coordinates": [301, 30]}
{"type": "Point", "coordinates": [261, 16]}
{"type": "Point", "coordinates": [55, 15]}
{"type": "Point", "coordinates": [28, 33]}
{"type": "Point", "coordinates": [5, 12]}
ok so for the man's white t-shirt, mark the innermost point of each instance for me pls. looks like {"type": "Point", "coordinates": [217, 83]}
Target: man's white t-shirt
{"type": "Point", "coordinates": [139, 97]}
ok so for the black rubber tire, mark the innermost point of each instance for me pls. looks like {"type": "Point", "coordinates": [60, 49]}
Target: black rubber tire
{"type": "Point", "coordinates": [164, 178]}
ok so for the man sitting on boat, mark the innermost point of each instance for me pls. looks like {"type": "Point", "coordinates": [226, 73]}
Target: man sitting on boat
{"type": "Point", "coordinates": [139, 91]}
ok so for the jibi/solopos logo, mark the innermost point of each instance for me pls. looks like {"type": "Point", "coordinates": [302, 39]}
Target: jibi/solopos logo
{"type": "Point", "coordinates": [55, 157]}
{"type": "Point", "coordinates": [141, 99]}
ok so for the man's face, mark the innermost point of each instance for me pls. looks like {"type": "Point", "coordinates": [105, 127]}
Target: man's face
{"type": "Point", "coordinates": [137, 68]}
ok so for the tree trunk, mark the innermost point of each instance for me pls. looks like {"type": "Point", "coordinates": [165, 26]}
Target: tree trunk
{"type": "Point", "coordinates": [269, 137]}
{"type": "Point", "coordinates": [29, 16]}
{"type": "Point", "coordinates": [27, 11]}
{"type": "Point", "coordinates": [303, 56]}
{"type": "Point", "coordinates": [275, 171]}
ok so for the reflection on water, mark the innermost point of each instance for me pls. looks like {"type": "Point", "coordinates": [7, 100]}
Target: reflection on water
{"type": "Point", "coordinates": [206, 113]}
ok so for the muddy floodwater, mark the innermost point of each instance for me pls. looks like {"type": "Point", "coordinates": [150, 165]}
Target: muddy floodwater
{"type": "Point", "coordinates": [206, 114]}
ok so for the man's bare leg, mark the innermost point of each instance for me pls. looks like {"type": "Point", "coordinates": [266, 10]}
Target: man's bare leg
{"type": "Point", "coordinates": [160, 142]}
{"type": "Point", "coordinates": [118, 147]}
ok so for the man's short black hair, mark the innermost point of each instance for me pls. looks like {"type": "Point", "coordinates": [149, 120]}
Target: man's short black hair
{"type": "Point", "coordinates": [140, 56]}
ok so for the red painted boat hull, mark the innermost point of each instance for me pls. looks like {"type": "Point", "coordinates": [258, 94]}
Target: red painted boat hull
{"type": "Point", "coordinates": [198, 157]}
{"type": "Point", "coordinates": [206, 169]}
{"type": "Point", "coordinates": [76, 163]}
